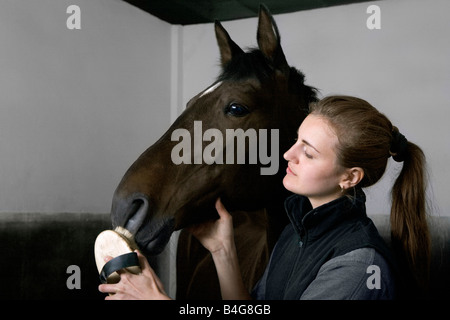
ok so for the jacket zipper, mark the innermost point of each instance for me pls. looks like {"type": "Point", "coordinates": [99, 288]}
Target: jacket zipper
{"type": "Point", "coordinates": [301, 244]}
{"type": "Point", "coordinates": [302, 235]}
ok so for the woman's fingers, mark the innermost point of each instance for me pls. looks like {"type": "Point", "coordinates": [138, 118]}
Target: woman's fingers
{"type": "Point", "coordinates": [221, 210]}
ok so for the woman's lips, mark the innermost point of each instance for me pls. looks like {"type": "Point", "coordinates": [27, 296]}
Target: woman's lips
{"type": "Point", "coordinates": [289, 171]}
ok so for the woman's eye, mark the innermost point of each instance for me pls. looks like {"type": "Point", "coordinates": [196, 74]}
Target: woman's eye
{"type": "Point", "coordinates": [236, 110]}
{"type": "Point", "coordinates": [307, 154]}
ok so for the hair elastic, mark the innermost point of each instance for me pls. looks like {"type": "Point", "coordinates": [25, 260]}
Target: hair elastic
{"type": "Point", "coordinates": [399, 145]}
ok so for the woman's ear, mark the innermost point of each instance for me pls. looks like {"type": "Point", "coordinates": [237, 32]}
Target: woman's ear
{"type": "Point", "coordinates": [351, 177]}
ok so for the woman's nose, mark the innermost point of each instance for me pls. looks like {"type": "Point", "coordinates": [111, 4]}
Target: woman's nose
{"type": "Point", "coordinates": [290, 154]}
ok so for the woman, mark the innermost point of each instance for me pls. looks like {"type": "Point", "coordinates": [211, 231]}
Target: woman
{"type": "Point", "coordinates": [331, 249]}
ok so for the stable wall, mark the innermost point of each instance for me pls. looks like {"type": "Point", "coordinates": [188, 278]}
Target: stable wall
{"type": "Point", "coordinates": [77, 107]}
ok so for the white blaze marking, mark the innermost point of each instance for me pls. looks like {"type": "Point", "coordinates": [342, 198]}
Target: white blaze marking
{"type": "Point", "coordinates": [211, 89]}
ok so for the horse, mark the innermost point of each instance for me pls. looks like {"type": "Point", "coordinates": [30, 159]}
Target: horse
{"type": "Point", "coordinates": [170, 188]}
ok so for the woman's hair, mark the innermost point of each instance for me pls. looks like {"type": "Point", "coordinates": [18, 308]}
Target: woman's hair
{"type": "Point", "coordinates": [367, 139]}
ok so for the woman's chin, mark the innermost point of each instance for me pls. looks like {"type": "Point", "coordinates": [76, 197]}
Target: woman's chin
{"type": "Point", "coordinates": [289, 184]}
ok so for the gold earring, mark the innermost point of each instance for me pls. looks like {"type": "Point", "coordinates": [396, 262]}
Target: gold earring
{"type": "Point", "coordinates": [342, 189]}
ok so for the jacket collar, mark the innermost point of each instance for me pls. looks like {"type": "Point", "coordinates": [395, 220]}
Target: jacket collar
{"type": "Point", "coordinates": [321, 219]}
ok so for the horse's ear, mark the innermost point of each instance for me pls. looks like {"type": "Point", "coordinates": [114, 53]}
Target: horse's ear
{"type": "Point", "coordinates": [228, 48]}
{"type": "Point", "coordinates": [268, 38]}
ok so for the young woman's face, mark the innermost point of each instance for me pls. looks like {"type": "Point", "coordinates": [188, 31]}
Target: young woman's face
{"type": "Point", "coordinates": [312, 163]}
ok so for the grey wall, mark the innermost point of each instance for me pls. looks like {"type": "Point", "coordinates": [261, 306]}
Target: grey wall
{"type": "Point", "coordinates": [77, 107]}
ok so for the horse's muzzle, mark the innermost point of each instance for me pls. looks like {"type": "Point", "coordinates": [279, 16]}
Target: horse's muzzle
{"type": "Point", "coordinates": [135, 213]}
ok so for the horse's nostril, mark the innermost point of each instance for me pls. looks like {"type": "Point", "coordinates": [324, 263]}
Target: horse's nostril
{"type": "Point", "coordinates": [135, 206]}
{"type": "Point", "coordinates": [136, 214]}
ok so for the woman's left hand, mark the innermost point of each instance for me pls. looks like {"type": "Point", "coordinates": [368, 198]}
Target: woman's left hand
{"type": "Point", "coordinates": [143, 286]}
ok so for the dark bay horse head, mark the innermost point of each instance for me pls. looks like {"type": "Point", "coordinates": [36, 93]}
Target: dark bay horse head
{"type": "Point", "coordinates": [176, 181]}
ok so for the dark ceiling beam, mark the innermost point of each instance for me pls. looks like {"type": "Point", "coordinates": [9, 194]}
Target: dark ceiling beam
{"type": "Point", "coordinates": [186, 12]}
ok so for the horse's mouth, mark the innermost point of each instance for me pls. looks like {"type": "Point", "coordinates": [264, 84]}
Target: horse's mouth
{"type": "Point", "coordinates": [150, 232]}
{"type": "Point", "coordinates": [152, 239]}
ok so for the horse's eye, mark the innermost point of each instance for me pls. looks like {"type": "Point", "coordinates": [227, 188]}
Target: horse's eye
{"type": "Point", "coordinates": [236, 110]}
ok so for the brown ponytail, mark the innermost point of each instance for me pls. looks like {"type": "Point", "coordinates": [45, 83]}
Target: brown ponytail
{"type": "Point", "coordinates": [366, 140]}
{"type": "Point", "coordinates": [409, 228]}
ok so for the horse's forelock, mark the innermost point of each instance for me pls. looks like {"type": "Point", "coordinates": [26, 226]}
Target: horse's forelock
{"type": "Point", "coordinates": [252, 64]}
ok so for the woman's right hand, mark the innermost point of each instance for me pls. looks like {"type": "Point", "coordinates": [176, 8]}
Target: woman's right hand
{"type": "Point", "coordinates": [218, 237]}
{"type": "Point", "coordinates": [215, 235]}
